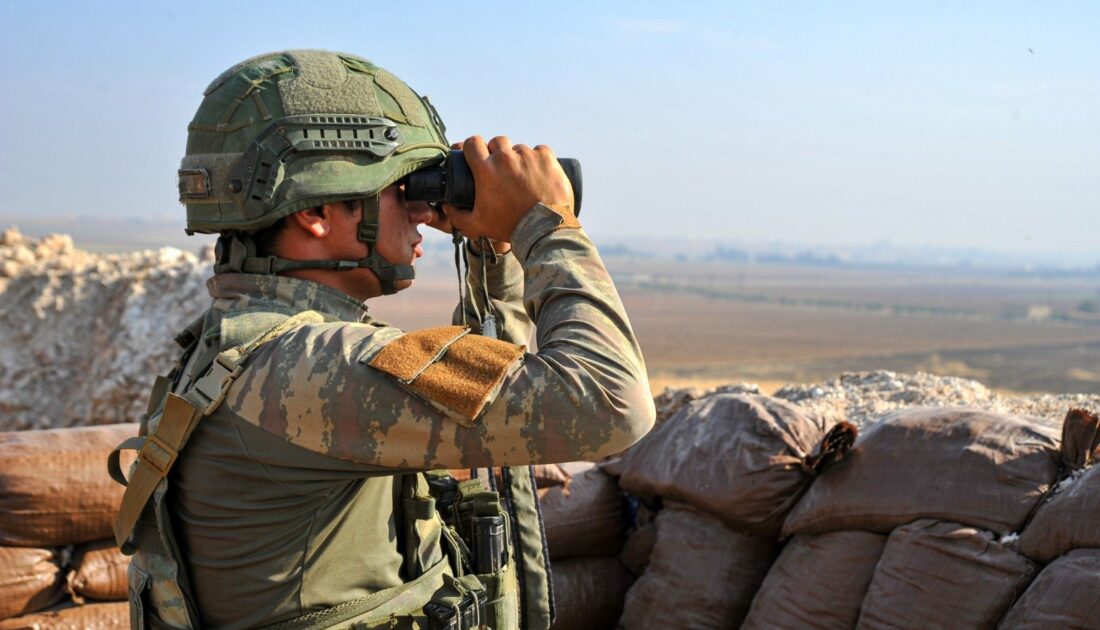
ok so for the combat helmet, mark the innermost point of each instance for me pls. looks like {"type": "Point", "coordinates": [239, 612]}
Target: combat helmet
{"type": "Point", "coordinates": [285, 131]}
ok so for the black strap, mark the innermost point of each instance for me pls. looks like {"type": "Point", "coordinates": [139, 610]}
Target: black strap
{"type": "Point", "coordinates": [237, 253]}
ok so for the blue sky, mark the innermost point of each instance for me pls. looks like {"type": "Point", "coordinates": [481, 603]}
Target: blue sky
{"type": "Point", "coordinates": [952, 124]}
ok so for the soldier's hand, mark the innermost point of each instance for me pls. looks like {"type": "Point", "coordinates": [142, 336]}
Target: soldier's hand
{"type": "Point", "coordinates": [441, 221]}
{"type": "Point", "coordinates": [509, 180]}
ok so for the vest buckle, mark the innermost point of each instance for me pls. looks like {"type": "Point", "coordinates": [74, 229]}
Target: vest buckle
{"type": "Point", "coordinates": [465, 615]}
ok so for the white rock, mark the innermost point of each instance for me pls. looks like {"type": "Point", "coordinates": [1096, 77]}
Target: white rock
{"type": "Point", "coordinates": [83, 335]}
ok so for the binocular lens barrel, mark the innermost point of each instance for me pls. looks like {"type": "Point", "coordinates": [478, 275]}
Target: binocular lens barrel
{"type": "Point", "coordinates": [452, 182]}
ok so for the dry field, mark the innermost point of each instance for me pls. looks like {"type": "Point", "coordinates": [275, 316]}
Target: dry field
{"type": "Point", "coordinates": [705, 324]}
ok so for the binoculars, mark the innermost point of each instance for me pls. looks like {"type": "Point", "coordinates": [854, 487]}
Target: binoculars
{"type": "Point", "coordinates": [452, 182]}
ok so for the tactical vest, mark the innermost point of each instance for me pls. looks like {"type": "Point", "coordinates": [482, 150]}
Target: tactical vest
{"type": "Point", "coordinates": [474, 556]}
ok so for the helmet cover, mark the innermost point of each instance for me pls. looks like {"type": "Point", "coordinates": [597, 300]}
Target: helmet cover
{"type": "Point", "coordinates": [285, 131]}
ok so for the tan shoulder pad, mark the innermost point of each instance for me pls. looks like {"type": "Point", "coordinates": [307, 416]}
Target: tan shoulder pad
{"type": "Point", "coordinates": [457, 372]}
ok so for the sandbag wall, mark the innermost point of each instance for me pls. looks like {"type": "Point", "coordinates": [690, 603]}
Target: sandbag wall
{"type": "Point", "coordinates": [911, 528]}
{"type": "Point", "coordinates": [722, 474]}
{"type": "Point", "coordinates": [59, 567]}
{"type": "Point", "coordinates": [1064, 534]}
{"type": "Point", "coordinates": [749, 512]}
{"type": "Point", "coordinates": [916, 526]}
{"type": "Point", "coordinates": [585, 527]}
{"type": "Point", "coordinates": [583, 514]}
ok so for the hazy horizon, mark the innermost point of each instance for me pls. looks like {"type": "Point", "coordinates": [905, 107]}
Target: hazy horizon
{"type": "Point", "coordinates": [119, 236]}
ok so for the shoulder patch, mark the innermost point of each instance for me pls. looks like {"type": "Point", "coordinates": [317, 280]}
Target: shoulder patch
{"type": "Point", "coordinates": [457, 372]}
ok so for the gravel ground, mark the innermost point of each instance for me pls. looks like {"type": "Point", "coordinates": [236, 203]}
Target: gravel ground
{"type": "Point", "coordinates": [862, 398]}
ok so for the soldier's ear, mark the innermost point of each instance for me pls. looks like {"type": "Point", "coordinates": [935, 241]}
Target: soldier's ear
{"type": "Point", "coordinates": [315, 221]}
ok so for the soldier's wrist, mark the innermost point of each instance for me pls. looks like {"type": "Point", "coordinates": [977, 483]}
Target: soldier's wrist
{"type": "Point", "coordinates": [539, 221]}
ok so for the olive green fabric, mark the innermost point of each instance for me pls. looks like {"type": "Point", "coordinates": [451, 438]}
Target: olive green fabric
{"type": "Point", "coordinates": [529, 544]}
{"type": "Point", "coordinates": [254, 100]}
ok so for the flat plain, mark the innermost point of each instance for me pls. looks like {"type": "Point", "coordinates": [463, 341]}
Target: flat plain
{"type": "Point", "coordinates": [710, 323]}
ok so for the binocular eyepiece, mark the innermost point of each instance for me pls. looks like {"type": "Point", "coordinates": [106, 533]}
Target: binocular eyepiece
{"type": "Point", "coordinates": [452, 182]}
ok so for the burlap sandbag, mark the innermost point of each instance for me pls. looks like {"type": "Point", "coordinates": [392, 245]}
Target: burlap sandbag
{"type": "Point", "coordinates": [54, 487]}
{"type": "Point", "coordinates": [741, 457]}
{"type": "Point", "coordinates": [969, 466]}
{"type": "Point", "coordinates": [583, 517]}
{"type": "Point", "coordinates": [943, 575]}
{"type": "Point", "coordinates": [1070, 519]}
{"type": "Point", "coordinates": [99, 572]}
{"type": "Point", "coordinates": [108, 616]}
{"type": "Point", "coordinates": [588, 592]}
{"type": "Point", "coordinates": [818, 582]}
{"type": "Point", "coordinates": [1070, 516]}
{"type": "Point", "coordinates": [30, 580]}
{"type": "Point", "coordinates": [639, 547]}
{"type": "Point", "coordinates": [1066, 594]}
{"type": "Point", "coordinates": [701, 574]}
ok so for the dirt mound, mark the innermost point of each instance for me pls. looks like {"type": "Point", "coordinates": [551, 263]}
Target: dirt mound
{"type": "Point", "coordinates": [82, 335]}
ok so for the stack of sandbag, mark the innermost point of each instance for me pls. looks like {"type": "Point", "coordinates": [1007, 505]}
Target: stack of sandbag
{"type": "Point", "coordinates": [724, 472]}
{"type": "Point", "coordinates": [912, 528]}
{"type": "Point", "coordinates": [582, 511]}
{"type": "Point", "coordinates": [1064, 534]}
{"type": "Point", "coordinates": [57, 508]}
{"type": "Point", "coordinates": [585, 523]}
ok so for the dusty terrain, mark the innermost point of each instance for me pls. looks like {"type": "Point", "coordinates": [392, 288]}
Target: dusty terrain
{"type": "Point", "coordinates": [707, 324]}
{"type": "Point", "coordinates": [82, 334]}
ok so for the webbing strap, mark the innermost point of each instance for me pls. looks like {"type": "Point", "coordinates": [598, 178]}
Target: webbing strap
{"type": "Point", "coordinates": [532, 558]}
{"type": "Point", "coordinates": [158, 450]}
{"type": "Point", "coordinates": [155, 458]}
{"type": "Point", "coordinates": [405, 599]}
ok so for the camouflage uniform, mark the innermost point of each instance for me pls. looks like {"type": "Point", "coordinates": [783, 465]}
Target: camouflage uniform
{"type": "Point", "coordinates": [286, 496]}
{"type": "Point", "coordinates": [302, 416]}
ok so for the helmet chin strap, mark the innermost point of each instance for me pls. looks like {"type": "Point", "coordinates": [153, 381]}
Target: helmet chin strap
{"type": "Point", "coordinates": [387, 273]}
{"type": "Point", "coordinates": [236, 253]}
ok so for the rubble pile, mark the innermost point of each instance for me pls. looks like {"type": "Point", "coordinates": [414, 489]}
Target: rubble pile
{"type": "Point", "coordinates": [864, 397]}
{"type": "Point", "coordinates": [82, 334]}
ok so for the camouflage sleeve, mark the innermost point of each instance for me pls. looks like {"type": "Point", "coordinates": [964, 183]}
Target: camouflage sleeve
{"type": "Point", "coordinates": [583, 395]}
{"type": "Point", "coordinates": [502, 277]}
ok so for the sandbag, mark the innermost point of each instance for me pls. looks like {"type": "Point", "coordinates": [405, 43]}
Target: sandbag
{"type": "Point", "coordinates": [818, 582]}
{"type": "Point", "coordinates": [1064, 595]}
{"type": "Point", "coordinates": [54, 487]}
{"type": "Point", "coordinates": [701, 574]}
{"type": "Point", "coordinates": [741, 457]}
{"type": "Point", "coordinates": [969, 466]}
{"type": "Point", "coordinates": [1070, 516]}
{"type": "Point", "coordinates": [943, 575]}
{"type": "Point", "coordinates": [583, 517]}
{"type": "Point", "coordinates": [638, 548]}
{"type": "Point", "coordinates": [588, 592]}
{"type": "Point", "coordinates": [30, 580]}
{"type": "Point", "coordinates": [99, 572]}
{"type": "Point", "coordinates": [1068, 520]}
{"type": "Point", "coordinates": [108, 616]}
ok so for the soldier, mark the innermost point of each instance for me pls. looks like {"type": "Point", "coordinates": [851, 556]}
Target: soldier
{"type": "Point", "coordinates": [301, 497]}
